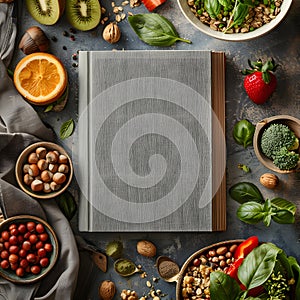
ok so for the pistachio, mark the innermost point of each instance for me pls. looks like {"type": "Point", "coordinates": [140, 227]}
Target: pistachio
{"type": "Point", "coordinates": [107, 290]}
{"type": "Point", "coordinates": [111, 33]}
{"type": "Point", "coordinates": [269, 180]}
{"type": "Point", "coordinates": [34, 40]}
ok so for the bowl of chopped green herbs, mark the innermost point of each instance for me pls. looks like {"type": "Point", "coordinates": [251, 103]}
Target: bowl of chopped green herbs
{"type": "Point", "coordinates": [235, 20]}
{"type": "Point", "coordinates": [276, 143]}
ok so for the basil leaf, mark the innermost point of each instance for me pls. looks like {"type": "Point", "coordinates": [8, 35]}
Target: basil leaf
{"type": "Point", "coordinates": [296, 270]}
{"type": "Point", "coordinates": [240, 13]}
{"type": "Point", "coordinates": [282, 204]}
{"type": "Point", "coordinates": [222, 286]}
{"type": "Point", "coordinates": [66, 129]}
{"type": "Point", "coordinates": [243, 132]}
{"type": "Point", "coordinates": [48, 108]}
{"type": "Point", "coordinates": [245, 191]}
{"type": "Point", "coordinates": [213, 8]}
{"type": "Point", "coordinates": [67, 204]}
{"type": "Point", "coordinates": [284, 217]}
{"type": "Point", "coordinates": [251, 212]}
{"type": "Point", "coordinates": [258, 265]}
{"type": "Point", "coordinates": [155, 30]}
{"type": "Point", "coordinates": [225, 3]}
{"type": "Point", "coordinates": [268, 213]}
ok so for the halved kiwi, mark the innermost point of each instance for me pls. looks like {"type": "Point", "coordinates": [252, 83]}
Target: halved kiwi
{"type": "Point", "coordinates": [46, 12]}
{"type": "Point", "coordinates": [83, 14]}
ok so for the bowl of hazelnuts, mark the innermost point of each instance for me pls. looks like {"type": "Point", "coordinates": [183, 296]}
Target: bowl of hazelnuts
{"type": "Point", "coordinates": [44, 170]}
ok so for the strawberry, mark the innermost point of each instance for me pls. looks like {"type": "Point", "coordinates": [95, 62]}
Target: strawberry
{"type": "Point", "coordinates": [260, 82]}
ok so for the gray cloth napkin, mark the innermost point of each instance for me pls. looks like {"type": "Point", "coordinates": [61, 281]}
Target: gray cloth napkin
{"type": "Point", "coordinates": [20, 126]}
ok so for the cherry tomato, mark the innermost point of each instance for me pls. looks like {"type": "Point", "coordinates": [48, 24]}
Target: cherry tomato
{"type": "Point", "coordinates": [12, 226]}
{"type": "Point", "coordinates": [13, 249]}
{"type": "Point", "coordinates": [4, 254]}
{"type": "Point", "coordinates": [31, 258]}
{"type": "Point", "coordinates": [43, 237]}
{"type": "Point", "coordinates": [4, 264]}
{"type": "Point", "coordinates": [14, 231]}
{"type": "Point", "coordinates": [33, 238]}
{"type": "Point", "coordinates": [48, 247]}
{"type": "Point", "coordinates": [20, 272]}
{"type": "Point", "coordinates": [22, 228]}
{"type": "Point", "coordinates": [13, 240]}
{"type": "Point", "coordinates": [44, 262]}
{"type": "Point", "coordinates": [39, 245]}
{"type": "Point", "coordinates": [35, 269]}
{"type": "Point", "coordinates": [6, 245]}
{"type": "Point", "coordinates": [30, 226]}
{"type": "Point", "coordinates": [27, 235]}
{"type": "Point", "coordinates": [13, 258]}
{"type": "Point", "coordinates": [5, 235]}
{"type": "Point", "coordinates": [26, 245]}
{"type": "Point", "coordinates": [39, 228]}
{"type": "Point", "coordinates": [24, 263]}
{"type": "Point", "coordinates": [42, 252]}
{"type": "Point", "coordinates": [22, 253]}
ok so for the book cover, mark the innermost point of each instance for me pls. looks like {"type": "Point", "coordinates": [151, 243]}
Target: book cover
{"type": "Point", "coordinates": [150, 135]}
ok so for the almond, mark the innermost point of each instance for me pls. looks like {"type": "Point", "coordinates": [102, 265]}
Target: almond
{"type": "Point", "coordinates": [146, 248]}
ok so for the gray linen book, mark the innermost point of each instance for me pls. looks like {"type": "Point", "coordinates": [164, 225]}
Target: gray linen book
{"type": "Point", "coordinates": [150, 133]}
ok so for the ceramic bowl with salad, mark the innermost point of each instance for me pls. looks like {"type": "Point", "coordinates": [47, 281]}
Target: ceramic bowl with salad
{"type": "Point", "coordinates": [239, 269]}
{"type": "Point", "coordinates": [235, 20]}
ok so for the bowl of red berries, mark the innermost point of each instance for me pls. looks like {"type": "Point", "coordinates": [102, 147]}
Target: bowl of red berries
{"type": "Point", "coordinates": [28, 249]}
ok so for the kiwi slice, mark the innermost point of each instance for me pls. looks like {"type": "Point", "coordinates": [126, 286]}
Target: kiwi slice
{"type": "Point", "coordinates": [83, 14]}
{"type": "Point", "coordinates": [46, 12]}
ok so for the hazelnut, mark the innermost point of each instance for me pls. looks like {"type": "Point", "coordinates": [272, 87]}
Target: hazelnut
{"type": "Point", "coordinates": [46, 176]}
{"type": "Point", "coordinates": [26, 168]}
{"type": "Point", "coordinates": [107, 290]}
{"type": "Point", "coordinates": [62, 159]}
{"type": "Point", "coordinates": [52, 168]}
{"type": "Point", "coordinates": [63, 168]}
{"type": "Point", "coordinates": [59, 178]}
{"type": "Point", "coordinates": [41, 152]}
{"type": "Point", "coordinates": [42, 164]}
{"type": "Point", "coordinates": [146, 248]}
{"type": "Point", "coordinates": [28, 179]}
{"type": "Point", "coordinates": [54, 186]}
{"type": "Point", "coordinates": [269, 180]}
{"type": "Point", "coordinates": [37, 185]}
{"type": "Point", "coordinates": [51, 157]}
{"type": "Point", "coordinates": [47, 188]}
{"type": "Point", "coordinates": [33, 170]}
{"type": "Point", "coordinates": [111, 33]}
{"type": "Point", "coordinates": [33, 158]}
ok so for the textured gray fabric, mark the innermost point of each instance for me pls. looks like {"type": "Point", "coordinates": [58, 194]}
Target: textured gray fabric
{"type": "Point", "coordinates": [19, 127]}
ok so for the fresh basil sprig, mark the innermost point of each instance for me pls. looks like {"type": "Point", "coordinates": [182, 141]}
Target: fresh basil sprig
{"type": "Point", "coordinates": [213, 7]}
{"type": "Point", "coordinates": [67, 129]}
{"type": "Point", "coordinates": [243, 132]}
{"type": "Point", "coordinates": [155, 30]}
{"type": "Point", "coordinates": [255, 209]}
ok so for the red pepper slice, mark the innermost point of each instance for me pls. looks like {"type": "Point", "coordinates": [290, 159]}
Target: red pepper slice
{"type": "Point", "coordinates": [233, 268]}
{"type": "Point", "coordinates": [246, 247]}
{"type": "Point", "coordinates": [152, 4]}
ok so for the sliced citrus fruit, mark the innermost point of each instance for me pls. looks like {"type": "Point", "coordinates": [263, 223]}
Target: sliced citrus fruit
{"type": "Point", "coordinates": [40, 78]}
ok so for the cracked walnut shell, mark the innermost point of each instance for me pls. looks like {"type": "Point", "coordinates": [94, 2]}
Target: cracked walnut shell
{"type": "Point", "coordinates": [111, 33]}
{"type": "Point", "coordinates": [269, 180]}
{"type": "Point", "coordinates": [107, 290]}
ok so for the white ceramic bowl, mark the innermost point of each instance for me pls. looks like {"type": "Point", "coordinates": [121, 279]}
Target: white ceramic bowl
{"type": "Point", "coordinates": [235, 37]}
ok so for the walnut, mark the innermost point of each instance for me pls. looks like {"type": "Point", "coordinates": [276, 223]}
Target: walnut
{"type": "Point", "coordinates": [107, 290]}
{"type": "Point", "coordinates": [146, 248]}
{"type": "Point", "coordinates": [269, 180]}
{"type": "Point", "coordinates": [111, 33]}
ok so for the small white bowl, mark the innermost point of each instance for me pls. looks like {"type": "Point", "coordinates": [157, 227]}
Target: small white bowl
{"type": "Point", "coordinates": [235, 37]}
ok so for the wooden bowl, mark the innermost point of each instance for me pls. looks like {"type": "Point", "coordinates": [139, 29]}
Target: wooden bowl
{"type": "Point", "coordinates": [30, 277]}
{"type": "Point", "coordinates": [197, 254]}
{"type": "Point", "coordinates": [292, 122]}
{"type": "Point", "coordinates": [22, 159]}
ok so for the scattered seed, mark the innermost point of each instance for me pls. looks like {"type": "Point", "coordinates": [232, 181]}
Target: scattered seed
{"type": "Point", "coordinates": [118, 18]}
{"type": "Point", "coordinates": [72, 30]}
{"type": "Point", "coordinates": [120, 8]}
{"type": "Point", "coordinates": [72, 38]}
{"type": "Point", "coordinates": [148, 283]}
{"type": "Point", "coordinates": [113, 4]}
{"type": "Point", "coordinates": [123, 16]}
{"type": "Point", "coordinates": [105, 19]}
{"type": "Point", "coordinates": [65, 33]}
{"type": "Point", "coordinates": [74, 56]}
{"type": "Point", "coordinates": [130, 13]}
{"type": "Point", "coordinates": [115, 10]}
{"type": "Point", "coordinates": [124, 3]}
{"type": "Point", "coordinates": [103, 10]}
{"type": "Point", "coordinates": [54, 39]}
{"type": "Point", "coordinates": [64, 47]}
{"type": "Point", "coordinates": [74, 65]}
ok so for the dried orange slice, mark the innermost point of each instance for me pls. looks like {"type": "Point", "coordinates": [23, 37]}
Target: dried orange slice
{"type": "Point", "coordinates": [40, 78]}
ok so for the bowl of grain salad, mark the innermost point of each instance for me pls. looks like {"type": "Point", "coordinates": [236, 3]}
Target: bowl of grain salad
{"type": "Point", "coordinates": [235, 20]}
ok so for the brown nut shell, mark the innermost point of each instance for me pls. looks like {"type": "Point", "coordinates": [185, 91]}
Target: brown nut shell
{"type": "Point", "coordinates": [111, 33]}
{"type": "Point", "coordinates": [107, 290]}
{"type": "Point", "coordinates": [34, 40]}
{"type": "Point", "coordinates": [42, 164]}
{"type": "Point", "coordinates": [33, 158]}
{"type": "Point", "coordinates": [37, 185]}
{"type": "Point", "coordinates": [269, 180]}
{"type": "Point", "coordinates": [146, 248]}
{"type": "Point", "coordinates": [51, 157]}
{"type": "Point", "coordinates": [59, 178]}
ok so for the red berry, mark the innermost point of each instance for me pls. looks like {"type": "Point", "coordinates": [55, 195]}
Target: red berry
{"type": "Point", "coordinates": [43, 237]}
{"type": "Point", "coordinates": [196, 262]}
{"type": "Point", "coordinates": [14, 231]}
{"type": "Point", "coordinates": [31, 226]}
{"type": "Point", "coordinates": [33, 239]}
{"type": "Point", "coordinates": [4, 254]}
{"type": "Point", "coordinates": [13, 258]}
{"type": "Point", "coordinates": [22, 228]}
{"type": "Point", "coordinates": [12, 226]}
{"type": "Point", "coordinates": [48, 247]}
{"type": "Point", "coordinates": [6, 245]}
{"type": "Point", "coordinates": [26, 245]}
{"type": "Point", "coordinates": [20, 272]}
{"type": "Point", "coordinates": [5, 235]}
{"type": "Point", "coordinates": [39, 228]}
{"type": "Point", "coordinates": [35, 269]}
{"type": "Point", "coordinates": [42, 252]}
{"type": "Point", "coordinates": [24, 263]}
{"type": "Point", "coordinates": [22, 253]}
{"type": "Point", "coordinates": [13, 249]}
{"type": "Point", "coordinates": [4, 264]}
{"type": "Point", "coordinates": [13, 240]}
{"type": "Point", "coordinates": [31, 258]}
{"type": "Point", "coordinates": [39, 245]}
{"type": "Point", "coordinates": [44, 262]}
